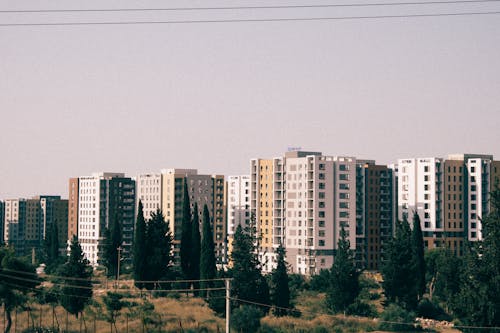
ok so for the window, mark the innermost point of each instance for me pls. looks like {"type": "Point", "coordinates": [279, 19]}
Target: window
{"type": "Point", "coordinates": [321, 186]}
{"type": "Point", "coordinates": [343, 167]}
{"type": "Point", "coordinates": [321, 233]}
{"type": "Point", "coordinates": [344, 176]}
{"type": "Point", "coordinates": [344, 186]}
{"type": "Point", "coordinates": [321, 224]}
{"type": "Point", "coordinates": [321, 195]}
{"type": "Point", "coordinates": [344, 205]}
{"type": "Point", "coordinates": [321, 242]}
{"type": "Point", "coordinates": [344, 195]}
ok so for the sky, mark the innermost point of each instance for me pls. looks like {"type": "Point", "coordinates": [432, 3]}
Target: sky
{"type": "Point", "coordinates": [138, 98]}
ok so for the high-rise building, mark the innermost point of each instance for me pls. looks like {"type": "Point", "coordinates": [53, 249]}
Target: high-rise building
{"type": "Point", "coordinates": [374, 212]}
{"type": "Point", "coordinates": [101, 198]}
{"type": "Point", "coordinates": [149, 192]}
{"type": "Point", "coordinates": [450, 195]}
{"type": "Point", "coordinates": [15, 222]}
{"type": "Point", "coordinates": [203, 190]}
{"type": "Point", "coordinates": [238, 205]}
{"type": "Point", "coordinates": [302, 200]}
{"type": "Point", "coordinates": [73, 208]}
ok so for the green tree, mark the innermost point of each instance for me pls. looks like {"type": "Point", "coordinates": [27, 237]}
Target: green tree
{"type": "Point", "coordinates": [344, 277]}
{"type": "Point", "coordinates": [418, 255]}
{"type": "Point", "coordinates": [248, 284]}
{"type": "Point", "coordinates": [281, 292]}
{"type": "Point", "coordinates": [158, 248]}
{"type": "Point", "coordinates": [478, 301]}
{"type": "Point", "coordinates": [208, 268]}
{"type": "Point", "coordinates": [195, 247]}
{"type": "Point", "coordinates": [185, 250]}
{"type": "Point", "coordinates": [139, 249]}
{"type": "Point", "coordinates": [52, 248]}
{"type": "Point", "coordinates": [398, 270]}
{"type": "Point", "coordinates": [114, 304]}
{"type": "Point", "coordinates": [76, 276]}
{"type": "Point", "coordinates": [17, 278]}
{"type": "Point", "coordinates": [113, 240]}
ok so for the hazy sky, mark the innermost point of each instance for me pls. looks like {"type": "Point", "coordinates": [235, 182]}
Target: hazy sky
{"type": "Point", "coordinates": [138, 98]}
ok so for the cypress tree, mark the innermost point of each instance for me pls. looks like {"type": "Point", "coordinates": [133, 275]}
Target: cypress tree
{"type": "Point", "coordinates": [195, 246]}
{"type": "Point", "coordinates": [54, 243]}
{"type": "Point", "coordinates": [281, 291]}
{"type": "Point", "coordinates": [140, 248]}
{"type": "Point", "coordinates": [248, 283]}
{"type": "Point", "coordinates": [113, 240]}
{"type": "Point", "coordinates": [77, 289]}
{"type": "Point", "coordinates": [344, 277]}
{"type": "Point", "coordinates": [398, 270]}
{"type": "Point", "coordinates": [208, 268]}
{"type": "Point", "coordinates": [185, 250]}
{"type": "Point", "coordinates": [418, 255]}
{"type": "Point", "coordinates": [158, 249]}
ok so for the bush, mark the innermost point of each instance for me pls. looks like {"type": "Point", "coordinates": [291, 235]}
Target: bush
{"type": "Point", "coordinates": [431, 310]}
{"type": "Point", "coordinates": [360, 308]}
{"type": "Point", "coordinates": [321, 282]}
{"type": "Point", "coordinates": [246, 319]}
{"type": "Point", "coordinates": [396, 319]}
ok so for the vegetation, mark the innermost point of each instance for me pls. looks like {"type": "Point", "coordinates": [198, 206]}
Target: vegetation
{"type": "Point", "coordinates": [208, 268]}
{"type": "Point", "coordinates": [281, 291]}
{"type": "Point", "coordinates": [139, 249]}
{"type": "Point", "coordinates": [113, 241]}
{"type": "Point", "coordinates": [185, 250]}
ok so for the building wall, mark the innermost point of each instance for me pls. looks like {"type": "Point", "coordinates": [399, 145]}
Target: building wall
{"type": "Point", "coordinates": [73, 208]}
{"type": "Point", "coordinates": [238, 205]}
{"type": "Point", "coordinates": [454, 205]}
{"type": "Point", "coordinates": [2, 221]}
{"type": "Point", "coordinates": [15, 222]}
{"type": "Point", "coordinates": [149, 192]}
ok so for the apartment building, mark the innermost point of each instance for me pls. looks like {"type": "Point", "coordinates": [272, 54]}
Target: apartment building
{"type": "Point", "coordinates": [374, 212]}
{"type": "Point", "coordinates": [202, 189]}
{"type": "Point", "coordinates": [101, 198]}
{"type": "Point", "coordinates": [238, 205]}
{"type": "Point", "coordinates": [14, 225]}
{"type": "Point", "coordinates": [302, 200]}
{"type": "Point", "coordinates": [149, 192]}
{"type": "Point", "coordinates": [2, 220]}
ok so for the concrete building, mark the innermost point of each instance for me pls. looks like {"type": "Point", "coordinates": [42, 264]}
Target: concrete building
{"type": "Point", "coordinates": [149, 192]}
{"type": "Point", "coordinates": [15, 224]}
{"type": "Point", "coordinates": [301, 200]}
{"type": "Point", "coordinates": [73, 208]}
{"type": "Point", "coordinates": [374, 212]}
{"type": "Point", "coordinates": [238, 205]}
{"type": "Point", "coordinates": [202, 189]}
{"type": "Point", "coordinates": [101, 198]}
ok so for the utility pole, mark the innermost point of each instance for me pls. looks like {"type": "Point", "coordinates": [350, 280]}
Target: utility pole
{"type": "Point", "coordinates": [228, 303]}
{"type": "Point", "coordinates": [119, 249]}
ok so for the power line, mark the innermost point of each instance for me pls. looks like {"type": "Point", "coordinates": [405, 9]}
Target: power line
{"type": "Point", "coordinates": [372, 4]}
{"type": "Point", "coordinates": [296, 19]}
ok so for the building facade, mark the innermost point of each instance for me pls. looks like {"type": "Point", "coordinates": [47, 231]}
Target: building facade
{"type": "Point", "coordinates": [149, 192]}
{"type": "Point", "coordinates": [238, 205]}
{"type": "Point", "coordinates": [101, 198]}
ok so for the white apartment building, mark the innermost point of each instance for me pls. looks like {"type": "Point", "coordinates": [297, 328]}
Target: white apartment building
{"type": "Point", "coordinates": [149, 192]}
{"type": "Point", "coordinates": [15, 223]}
{"type": "Point", "coordinates": [102, 197]}
{"type": "Point", "coordinates": [301, 200]}
{"type": "Point", "coordinates": [420, 189]}
{"type": "Point", "coordinates": [238, 203]}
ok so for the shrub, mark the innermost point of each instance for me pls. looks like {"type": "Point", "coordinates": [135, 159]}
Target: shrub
{"type": "Point", "coordinates": [432, 310]}
{"type": "Point", "coordinates": [396, 319]}
{"type": "Point", "coordinates": [360, 308]}
{"type": "Point", "coordinates": [246, 319]}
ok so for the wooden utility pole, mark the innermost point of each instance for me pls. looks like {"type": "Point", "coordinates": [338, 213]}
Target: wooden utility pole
{"type": "Point", "coordinates": [228, 303]}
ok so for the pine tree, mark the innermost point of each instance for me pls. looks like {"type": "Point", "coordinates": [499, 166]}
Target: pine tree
{"type": "Point", "coordinates": [77, 288]}
{"type": "Point", "coordinates": [281, 292]}
{"type": "Point", "coordinates": [158, 248]}
{"type": "Point", "coordinates": [248, 284]}
{"type": "Point", "coordinates": [418, 255]}
{"type": "Point", "coordinates": [195, 246]}
{"type": "Point", "coordinates": [53, 253]}
{"type": "Point", "coordinates": [344, 277]}
{"type": "Point", "coordinates": [398, 270]}
{"type": "Point", "coordinates": [208, 268]}
{"type": "Point", "coordinates": [12, 287]}
{"type": "Point", "coordinates": [185, 250]}
{"type": "Point", "coordinates": [140, 248]}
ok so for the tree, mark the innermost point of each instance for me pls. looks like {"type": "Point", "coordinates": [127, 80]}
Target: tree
{"type": "Point", "coordinates": [418, 255]}
{"type": "Point", "coordinates": [208, 268]}
{"type": "Point", "coordinates": [248, 284]}
{"type": "Point", "coordinates": [139, 249]}
{"type": "Point", "coordinates": [52, 248]}
{"type": "Point", "coordinates": [76, 276]}
{"type": "Point", "coordinates": [158, 247]}
{"type": "Point", "coordinates": [114, 304]}
{"type": "Point", "coordinates": [185, 250]}
{"type": "Point", "coordinates": [281, 291]}
{"type": "Point", "coordinates": [195, 252]}
{"type": "Point", "coordinates": [113, 241]}
{"type": "Point", "coordinates": [344, 277]}
{"type": "Point", "coordinates": [398, 270]}
{"type": "Point", "coordinates": [478, 301]}
{"type": "Point", "coordinates": [17, 278]}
